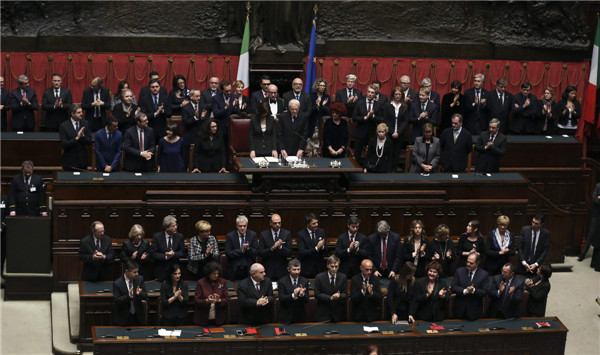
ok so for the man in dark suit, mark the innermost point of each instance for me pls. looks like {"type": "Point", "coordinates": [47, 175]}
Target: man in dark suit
{"type": "Point", "coordinates": [275, 246]}
{"type": "Point", "coordinates": [312, 246]}
{"type": "Point", "coordinates": [292, 128]}
{"type": "Point", "coordinates": [27, 196]}
{"type": "Point", "coordinates": [385, 250]}
{"type": "Point", "coordinates": [351, 248]}
{"type": "Point", "coordinates": [297, 93]}
{"type": "Point", "coordinates": [367, 114]}
{"type": "Point", "coordinates": [108, 146]}
{"type": "Point", "coordinates": [470, 285]}
{"type": "Point", "coordinates": [255, 295]}
{"type": "Point", "coordinates": [534, 243]}
{"type": "Point", "coordinates": [349, 95]}
{"type": "Point", "coordinates": [499, 105]}
{"type": "Point", "coordinates": [456, 144]}
{"type": "Point", "coordinates": [331, 292]}
{"type": "Point", "coordinates": [276, 106]}
{"type": "Point", "coordinates": [192, 115]}
{"type": "Point", "coordinates": [4, 104]}
{"type": "Point", "coordinates": [491, 145]}
{"type": "Point", "coordinates": [167, 247]}
{"type": "Point", "coordinates": [95, 251]}
{"type": "Point", "coordinates": [224, 104]}
{"type": "Point", "coordinates": [261, 94]}
{"type": "Point", "coordinates": [139, 155]}
{"type": "Point", "coordinates": [421, 112]}
{"type": "Point", "coordinates": [293, 295]}
{"type": "Point", "coordinates": [365, 293]}
{"type": "Point", "coordinates": [433, 96]}
{"type": "Point", "coordinates": [23, 103]}
{"type": "Point", "coordinates": [95, 101]}
{"type": "Point", "coordinates": [145, 90]}
{"type": "Point", "coordinates": [525, 111]}
{"type": "Point", "coordinates": [75, 136]}
{"type": "Point", "coordinates": [475, 110]}
{"type": "Point", "coordinates": [156, 109]}
{"type": "Point", "coordinates": [410, 94]}
{"type": "Point", "coordinates": [56, 101]}
{"type": "Point", "coordinates": [241, 249]}
{"type": "Point", "coordinates": [207, 95]}
{"type": "Point", "coordinates": [128, 293]}
{"type": "Point", "coordinates": [506, 292]}
{"type": "Point", "coordinates": [382, 98]}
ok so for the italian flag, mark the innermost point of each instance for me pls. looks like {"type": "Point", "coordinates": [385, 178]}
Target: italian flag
{"type": "Point", "coordinates": [243, 73]}
{"type": "Point", "coordinates": [589, 103]}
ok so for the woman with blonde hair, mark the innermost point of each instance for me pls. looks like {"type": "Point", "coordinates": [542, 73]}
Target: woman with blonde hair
{"type": "Point", "coordinates": [416, 247]}
{"type": "Point", "coordinates": [442, 250]}
{"type": "Point", "coordinates": [137, 249]}
{"type": "Point", "coordinates": [203, 249]}
{"type": "Point", "coordinates": [379, 152]}
{"type": "Point", "coordinates": [499, 246]}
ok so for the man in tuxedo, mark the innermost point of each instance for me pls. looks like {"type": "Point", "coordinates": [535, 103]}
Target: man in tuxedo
{"type": "Point", "coordinates": [241, 249]}
{"type": "Point", "coordinates": [312, 246]}
{"type": "Point", "coordinates": [156, 109]}
{"type": "Point", "coordinates": [275, 102]}
{"type": "Point", "coordinates": [23, 103]}
{"type": "Point", "coordinates": [491, 145]}
{"type": "Point", "coordinates": [456, 144]}
{"type": "Point", "coordinates": [470, 285]}
{"type": "Point", "coordinates": [367, 114]}
{"type": "Point", "coordinates": [475, 110]}
{"type": "Point", "coordinates": [255, 295]}
{"type": "Point", "coordinates": [385, 250]}
{"type": "Point", "coordinates": [506, 292]}
{"type": "Point", "coordinates": [351, 247]}
{"type": "Point", "coordinates": [275, 246]}
{"type": "Point", "coordinates": [365, 293]}
{"type": "Point", "coordinates": [259, 95]}
{"type": "Point", "coordinates": [292, 128]}
{"type": "Point", "coordinates": [75, 136]}
{"type": "Point", "coordinates": [525, 111]}
{"type": "Point", "coordinates": [4, 104]}
{"type": "Point", "coordinates": [128, 293]}
{"type": "Point", "coordinates": [56, 101]}
{"type": "Point", "coordinates": [297, 94]}
{"type": "Point", "coordinates": [534, 243]}
{"type": "Point", "coordinates": [207, 95]}
{"type": "Point", "coordinates": [139, 146]}
{"type": "Point", "coordinates": [224, 104]}
{"type": "Point", "coordinates": [349, 95]}
{"type": "Point", "coordinates": [500, 104]}
{"type": "Point", "coordinates": [95, 100]}
{"type": "Point", "coordinates": [95, 251]}
{"type": "Point", "coordinates": [421, 112]}
{"type": "Point", "coordinates": [27, 196]}
{"type": "Point", "coordinates": [145, 90]}
{"type": "Point", "coordinates": [433, 96]}
{"type": "Point", "coordinates": [331, 292]}
{"type": "Point", "coordinates": [293, 294]}
{"type": "Point", "coordinates": [167, 247]}
{"type": "Point", "coordinates": [108, 146]}
{"type": "Point", "coordinates": [410, 94]}
{"type": "Point", "coordinates": [382, 98]}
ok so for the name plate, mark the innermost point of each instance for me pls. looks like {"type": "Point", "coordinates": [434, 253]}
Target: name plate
{"type": "Point", "coordinates": [123, 337]}
{"type": "Point", "coordinates": [300, 334]}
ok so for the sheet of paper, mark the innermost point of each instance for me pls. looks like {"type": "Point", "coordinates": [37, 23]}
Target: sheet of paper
{"type": "Point", "coordinates": [455, 176]}
{"type": "Point", "coordinates": [291, 158]}
{"type": "Point", "coordinates": [258, 159]}
{"type": "Point", "coordinates": [272, 160]}
{"type": "Point", "coordinates": [370, 329]}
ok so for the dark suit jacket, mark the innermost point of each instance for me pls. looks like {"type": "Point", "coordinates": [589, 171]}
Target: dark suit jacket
{"type": "Point", "coordinates": [342, 96]}
{"type": "Point", "coordinates": [350, 261]}
{"type": "Point", "coordinates": [159, 248]}
{"type": "Point", "coordinates": [157, 122]}
{"type": "Point", "coordinates": [291, 310]}
{"type": "Point", "coordinates": [275, 261]}
{"type": "Point", "coordinates": [541, 249]}
{"type": "Point", "coordinates": [495, 261]}
{"type": "Point", "coordinates": [131, 145]}
{"type": "Point", "coordinates": [506, 305]}
{"type": "Point", "coordinates": [432, 308]}
{"type": "Point", "coordinates": [145, 91]}
{"type": "Point", "coordinates": [455, 155]}
{"type": "Point", "coordinates": [489, 159]}
{"type": "Point", "coordinates": [177, 309]}
{"type": "Point", "coordinates": [305, 104]}
{"type": "Point", "coordinates": [408, 248]}
{"type": "Point", "coordinates": [74, 151]}
{"type": "Point", "coordinates": [87, 99]}
{"type": "Point", "coordinates": [125, 121]}
{"type": "Point", "coordinates": [108, 152]}
{"type": "Point", "coordinates": [328, 310]}
{"type": "Point", "coordinates": [23, 116]}
{"type": "Point", "coordinates": [419, 154]}
{"type": "Point", "coordinates": [435, 98]}
{"type": "Point", "coordinates": [56, 116]}
{"type": "Point", "coordinates": [122, 300]}
{"type": "Point", "coordinates": [245, 100]}
{"type": "Point", "coordinates": [524, 119]}
{"type": "Point", "coordinates": [476, 117]}
{"type": "Point", "coordinates": [538, 297]}
{"type": "Point", "coordinates": [495, 108]}
{"type": "Point", "coordinates": [191, 123]}
{"type": "Point", "coordinates": [205, 288]}
{"type": "Point", "coordinates": [575, 115]}
{"type": "Point", "coordinates": [448, 111]}
{"type": "Point", "coordinates": [250, 313]}
{"type": "Point", "coordinates": [469, 306]}
{"type": "Point", "coordinates": [22, 200]}
{"type": "Point", "coordinates": [127, 250]}
{"type": "Point", "coordinates": [238, 262]}
{"type": "Point", "coordinates": [390, 118]}
{"type": "Point", "coordinates": [413, 96]}
{"type": "Point", "coordinates": [398, 300]}
{"type": "Point", "coordinates": [206, 98]}
{"type": "Point", "coordinates": [313, 261]}
{"type": "Point", "coordinates": [383, 99]}
{"type": "Point", "coordinates": [393, 251]}
{"type": "Point", "coordinates": [262, 142]}
{"type": "Point", "coordinates": [5, 102]}
{"type": "Point", "coordinates": [365, 308]}
{"type": "Point", "coordinates": [433, 117]}
{"type": "Point", "coordinates": [366, 128]}
{"type": "Point", "coordinates": [255, 98]}
{"type": "Point", "coordinates": [291, 135]}
{"type": "Point", "coordinates": [222, 114]}
{"type": "Point", "coordinates": [95, 270]}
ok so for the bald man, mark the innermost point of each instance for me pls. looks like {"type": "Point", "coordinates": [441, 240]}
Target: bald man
{"type": "Point", "coordinates": [365, 293]}
{"type": "Point", "coordinates": [255, 294]}
{"type": "Point", "coordinates": [275, 246]}
{"type": "Point", "coordinates": [297, 93]}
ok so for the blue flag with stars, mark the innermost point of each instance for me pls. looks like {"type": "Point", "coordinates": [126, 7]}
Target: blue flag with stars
{"type": "Point", "coordinates": [311, 65]}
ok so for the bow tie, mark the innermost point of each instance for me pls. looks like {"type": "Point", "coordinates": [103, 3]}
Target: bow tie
{"type": "Point", "coordinates": [273, 101]}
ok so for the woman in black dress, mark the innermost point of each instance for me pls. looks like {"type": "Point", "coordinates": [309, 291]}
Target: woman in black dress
{"type": "Point", "coordinates": [442, 250]}
{"type": "Point", "coordinates": [209, 150]}
{"type": "Point", "coordinates": [499, 246]}
{"type": "Point", "coordinates": [549, 111]}
{"type": "Point", "coordinates": [126, 110]}
{"type": "Point", "coordinates": [396, 117]}
{"type": "Point", "coordinates": [430, 296]}
{"type": "Point", "coordinates": [137, 249]}
{"type": "Point", "coordinates": [320, 105]}
{"type": "Point", "coordinates": [262, 135]}
{"type": "Point", "coordinates": [400, 292]}
{"type": "Point", "coordinates": [416, 247]}
{"type": "Point", "coordinates": [470, 241]}
{"type": "Point", "coordinates": [380, 152]}
{"type": "Point", "coordinates": [538, 288]}
{"type": "Point", "coordinates": [569, 111]}
{"type": "Point", "coordinates": [173, 298]}
{"type": "Point", "coordinates": [453, 102]}
{"type": "Point", "coordinates": [179, 96]}
{"type": "Point", "coordinates": [335, 132]}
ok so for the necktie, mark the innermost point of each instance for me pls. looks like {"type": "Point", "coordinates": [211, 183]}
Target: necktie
{"type": "Point", "coordinates": [98, 244]}
{"type": "Point", "coordinates": [369, 106]}
{"type": "Point", "coordinates": [141, 132]}
{"type": "Point", "coordinates": [23, 94]}
{"type": "Point", "coordinates": [97, 109]}
{"type": "Point", "coordinates": [312, 236]}
{"type": "Point", "coordinates": [477, 94]}
{"type": "Point", "coordinates": [109, 136]}
{"type": "Point", "coordinates": [295, 284]}
{"type": "Point", "coordinates": [351, 238]}
{"type": "Point", "coordinates": [131, 304]}
{"type": "Point", "coordinates": [56, 94]}
{"type": "Point", "coordinates": [27, 181]}
{"type": "Point", "coordinates": [243, 236]}
{"type": "Point", "coordinates": [195, 108]}
{"type": "Point", "coordinates": [423, 107]}
{"type": "Point", "coordinates": [169, 243]}
{"type": "Point", "coordinates": [257, 287]}
{"type": "Point", "coordinates": [455, 136]}
{"type": "Point", "coordinates": [332, 281]}
{"type": "Point", "coordinates": [384, 255]}
{"type": "Point", "coordinates": [275, 236]}
{"type": "Point", "coordinates": [502, 98]}
{"type": "Point", "coordinates": [77, 127]}
{"type": "Point", "coordinates": [213, 92]}
{"type": "Point", "coordinates": [298, 97]}
{"type": "Point", "coordinates": [470, 276]}
{"type": "Point", "coordinates": [507, 287]}
{"type": "Point", "coordinates": [492, 138]}
{"type": "Point", "coordinates": [350, 93]}
{"type": "Point", "coordinates": [155, 102]}
{"type": "Point", "coordinates": [532, 249]}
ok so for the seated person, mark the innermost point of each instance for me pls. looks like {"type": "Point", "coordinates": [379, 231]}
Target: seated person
{"type": "Point", "coordinates": [331, 292]}
{"type": "Point", "coordinates": [128, 293]}
{"type": "Point", "coordinates": [173, 298]}
{"type": "Point", "coordinates": [506, 292]}
{"type": "Point", "coordinates": [255, 295]}
{"type": "Point", "coordinates": [209, 150]}
{"type": "Point", "coordinates": [211, 297]}
{"type": "Point", "coordinates": [499, 246]}
{"type": "Point", "coordinates": [203, 248]}
{"type": "Point", "coordinates": [293, 295]}
{"type": "Point", "coordinates": [95, 251]}
{"type": "Point", "coordinates": [426, 152]}
{"type": "Point", "coordinates": [400, 292]}
{"type": "Point", "coordinates": [470, 285]}
{"type": "Point", "coordinates": [137, 249]}
{"type": "Point", "coordinates": [442, 250]}
{"type": "Point", "coordinates": [430, 296]}
{"type": "Point", "coordinates": [335, 132]}
{"type": "Point", "coordinates": [365, 293]}
{"type": "Point", "coordinates": [538, 288]}
{"type": "Point", "coordinates": [379, 152]}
